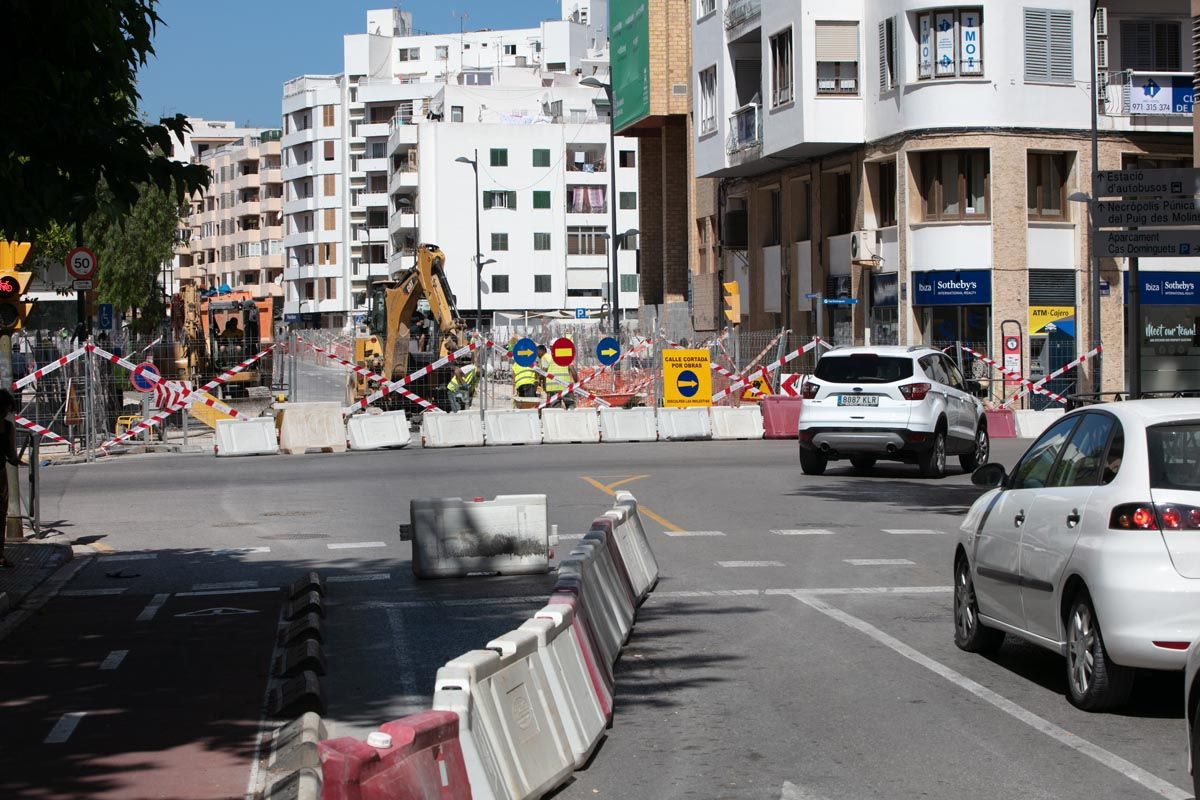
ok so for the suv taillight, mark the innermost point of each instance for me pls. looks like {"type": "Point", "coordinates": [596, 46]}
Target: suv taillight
{"type": "Point", "coordinates": [809, 390]}
{"type": "Point", "coordinates": [1149, 517]}
{"type": "Point", "coordinates": [915, 391]}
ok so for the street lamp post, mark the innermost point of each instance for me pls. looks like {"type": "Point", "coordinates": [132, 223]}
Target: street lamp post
{"type": "Point", "coordinates": [615, 292]}
{"type": "Point", "coordinates": [474, 162]}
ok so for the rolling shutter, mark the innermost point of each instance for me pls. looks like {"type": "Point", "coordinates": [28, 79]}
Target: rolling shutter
{"type": "Point", "coordinates": [1051, 287]}
{"type": "Point", "coordinates": [837, 41]}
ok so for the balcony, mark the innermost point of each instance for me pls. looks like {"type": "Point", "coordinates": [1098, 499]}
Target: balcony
{"type": "Point", "coordinates": [368, 130]}
{"type": "Point", "coordinates": [739, 12]}
{"type": "Point", "coordinates": [745, 129]}
{"type": "Point", "coordinates": [1159, 94]}
{"type": "Point", "coordinates": [373, 164]}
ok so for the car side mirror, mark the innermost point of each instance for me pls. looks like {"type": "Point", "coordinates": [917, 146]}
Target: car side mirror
{"type": "Point", "coordinates": [989, 475]}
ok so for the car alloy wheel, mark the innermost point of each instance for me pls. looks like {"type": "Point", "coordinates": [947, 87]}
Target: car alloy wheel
{"type": "Point", "coordinates": [966, 619]}
{"type": "Point", "coordinates": [1081, 641]}
{"type": "Point", "coordinates": [983, 447]}
{"type": "Point", "coordinates": [939, 454]}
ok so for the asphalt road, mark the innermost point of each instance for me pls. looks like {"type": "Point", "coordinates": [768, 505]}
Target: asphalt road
{"type": "Point", "coordinates": [794, 647]}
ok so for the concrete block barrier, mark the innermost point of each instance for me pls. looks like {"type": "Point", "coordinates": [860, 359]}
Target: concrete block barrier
{"type": "Point", "coordinates": [253, 436]}
{"type": "Point", "coordinates": [415, 758]}
{"type": "Point", "coordinates": [628, 503]}
{"type": "Point", "coordinates": [510, 728]}
{"type": "Point", "coordinates": [679, 424]}
{"type": "Point", "coordinates": [744, 422]}
{"type": "Point", "coordinates": [579, 708]}
{"type": "Point", "coordinates": [1032, 424]}
{"type": "Point", "coordinates": [570, 426]}
{"type": "Point", "coordinates": [781, 417]}
{"type": "Point", "coordinates": [378, 431]}
{"type": "Point", "coordinates": [1002, 424]}
{"type": "Point", "coordinates": [463, 429]}
{"type": "Point", "coordinates": [506, 426]}
{"type": "Point", "coordinates": [628, 425]}
{"type": "Point", "coordinates": [311, 426]}
{"type": "Point", "coordinates": [453, 538]}
{"type": "Point", "coordinates": [599, 672]}
{"type": "Point", "coordinates": [596, 566]}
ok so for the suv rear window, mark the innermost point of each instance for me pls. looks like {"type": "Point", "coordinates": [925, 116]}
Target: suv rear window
{"type": "Point", "coordinates": [1174, 456]}
{"type": "Point", "coordinates": [864, 368]}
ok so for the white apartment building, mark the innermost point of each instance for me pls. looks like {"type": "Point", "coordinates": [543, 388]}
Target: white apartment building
{"type": "Point", "coordinates": [915, 159]}
{"type": "Point", "coordinates": [335, 140]}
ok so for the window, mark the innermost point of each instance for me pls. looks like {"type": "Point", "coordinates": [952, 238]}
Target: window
{"type": "Point", "coordinates": [328, 146]}
{"type": "Point", "coordinates": [628, 200]}
{"type": "Point", "coordinates": [934, 369]}
{"type": "Point", "coordinates": [541, 198]}
{"type": "Point", "coordinates": [1034, 469]}
{"type": "Point", "coordinates": [541, 241]}
{"type": "Point", "coordinates": [773, 224]}
{"type": "Point", "coordinates": [584, 293]}
{"type": "Point", "coordinates": [456, 113]}
{"type": "Point", "coordinates": [541, 283]}
{"type": "Point", "coordinates": [628, 159]}
{"type": "Point", "coordinates": [441, 52]}
{"type": "Point", "coordinates": [586, 199]}
{"type": "Point", "coordinates": [500, 284]}
{"type": "Point", "coordinates": [705, 8]}
{"type": "Point", "coordinates": [837, 58]}
{"type": "Point", "coordinates": [541, 158]}
{"type": "Point", "coordinates": [887, 55]}
{"type": "Point", "coordinates": [409, 54]}
{"type": "Point", "coordinates": [781, 68]}
{"type": "Point", "coordinates": [1049, 46]}
{"type": "Point", "coordinates": [1174, 451]}
{"type": "Point", "coordinates": [326, 253]}
{"type": "Point", "coordinates": [586, 241]}
{"type": "Point", "coordinates": [327, 116]}
{"type": "Point", "coordinates": [1150, 46]}
{"type": "Point", "coordinates": [330, 223]}
{"type": "Point", "coordinates": [949, 44]}
{"type": "Point", "coordinates": [1136, 161]}
{"type": "Point", "coordinates": [499, 199]}
{"type": "Point", "coordinates": [1082, 461]}
{"type": "Point", "coordinates": [330, 185]}
{"type": "Point", "coordinates": [510, 49]}
{"type": "Point", "coordinates": [331, 288]}
{"type": "Point", "coordinates": [499, 157]}
{"type": "Point", "coordinates": [885, 203]}
{"type": "Point", "coordinates": [629, 283]}
{"type": "Point", "coordinates": [1046, 176]}
{"type": "Point", "coordinates": [955, 184]}
{"type": "Point", "coordinates": [499, 241]}
{"type": "Point", "coordinates": [708, 100]}
{"type": "Point", "coordinates": [802, 210]}
{"type": "Point", "coordinates": [865, 368]}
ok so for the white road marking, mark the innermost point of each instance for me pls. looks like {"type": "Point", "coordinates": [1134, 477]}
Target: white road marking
{"type": "Point", "coordinates": [913, 532]}
{"type": "Point", "coordinates": [880, 562]}
{"type": "Point", "coordinates": [91, 592]}
{"type": "Point", "coordinates": [750, 564]}
{"type": "Point", "coordinates": [818, 592]}
{"type": "Point", "coordinates": [478, 601]}
{"type": "Point", "coordinates": [805, 532]}
{"type": "Point", "coordinates": [790, 791]}
{"type": "Point", "coordinates": [253, 787]}
{"type": "Point", "coordinates": [65, 726]}
{"type": "Point", "coordinates": [693, 533]}
{"type": "Point", "coordinates": [354, 545]}
{"type": "Point", "coordinates": [113, 659]}
{"type": "Point", "coordinates": [206, 587]}
{"type": "Point", "coordinates": [212, 592]}
{"type": "Point", "coordinates": [370, 576]}
{"type": "Point", "coordinates": [1071, 740]}
{"type": "Point", "coordinates": [152, 607]}
{"type": "Point", "coordinates": [564, 537]}
{"type": "Point", "coordinates": [128, 557]}
{"type": "Point", "coordinates": [237, 551]}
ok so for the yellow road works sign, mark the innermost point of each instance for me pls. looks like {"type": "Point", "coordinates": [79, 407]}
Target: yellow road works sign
{"type": "Point", "coordinates": [757, 390]}
{"type": "Point", "coordinates": [687, 378]}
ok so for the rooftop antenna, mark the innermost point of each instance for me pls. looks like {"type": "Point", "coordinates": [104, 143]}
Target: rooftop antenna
{"type": "Point", "coordinates": [463, 16]}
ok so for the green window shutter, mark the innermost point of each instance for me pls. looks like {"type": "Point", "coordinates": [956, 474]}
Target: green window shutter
{"type": "Point", "coordinates": [487, 200]}
{"type": "Point", "coordinates": [512, 200]}
{"type": "Point", "coordinates": [541, 199]}
{"type": "Point", "coordinates": [541, 158]}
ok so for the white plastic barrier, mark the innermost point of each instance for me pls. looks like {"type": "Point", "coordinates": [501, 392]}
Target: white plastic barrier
{"type": "Point", "coordinates": [463, 429]}
{"type": "Point", "coordinates": [453, 538]}
{"type": "Point", "coordinates": [616, 522]}
{"type": "Point", "coordinates": [377, 431]}
{"type": "Point", "coordinates": [598, 566]}
{"type": "Point", "coordinates": [561, 654]}
{"type": "Point", "coordinates": [1032, 424]}
{"type": "Point", "coordinates": [311, 426]}
{"type": "Point", "coordinates": [565, 426]}
{"type": "Point", "coordinates": [627, 503]}
{"type": "Point", "coordinates": [744, 422]}
{"type": "Point", "coordinates": [675, 424]}
{"type": "Point", "coordinates": [628, 425]}
{"type": "Point", "coordinates": [246, 436]}
{"type": "Point", "coordinates": [506, 426]}
{"type": "Point", "coordinates": [607, 620]}
{"type": "Point", "coordinates": [510, 727]}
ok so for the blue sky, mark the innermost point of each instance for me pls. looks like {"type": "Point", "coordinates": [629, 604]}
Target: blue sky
{"type": "Point", "coordinates": [228, 59]}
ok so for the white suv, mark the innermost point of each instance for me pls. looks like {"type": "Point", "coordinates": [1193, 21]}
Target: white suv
{"type": "Point", "coordinates": [906, 404]}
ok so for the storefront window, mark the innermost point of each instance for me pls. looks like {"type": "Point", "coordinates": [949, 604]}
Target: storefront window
{"type": "Point", "coordinates": [885, 320]}
{"type": "Point", "coordinates": [1170, 322]}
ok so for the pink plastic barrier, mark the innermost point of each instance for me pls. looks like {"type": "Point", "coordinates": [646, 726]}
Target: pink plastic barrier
{"type": "Point", "coordinates": [781, 417]}
{"type": "Point", "coordinates": [1002, 424]}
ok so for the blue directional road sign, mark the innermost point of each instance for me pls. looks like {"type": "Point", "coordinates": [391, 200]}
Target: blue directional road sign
{"type": "Point", "coordinates": [106, 316]}
{"type": "Point", "coordinates": [608, 351]}
{"type": "Point", "coordinates": [525, 352]}
{"type": "Point", "coordinates": [840, 301]}
{"type": "Point", "coordinates": [688, 383]}
{"type": "Point", "coordinates": [812, 295]}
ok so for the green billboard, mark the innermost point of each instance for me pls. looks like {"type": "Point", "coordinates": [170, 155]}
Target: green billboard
{"type": "Point", "coordinates": [629, 39]}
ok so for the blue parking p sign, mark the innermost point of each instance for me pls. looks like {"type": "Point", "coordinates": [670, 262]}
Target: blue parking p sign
{"type": "Point", "coordinates": [581, 313]}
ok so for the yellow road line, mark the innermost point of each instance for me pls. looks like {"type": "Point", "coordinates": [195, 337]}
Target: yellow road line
{"type": "Point", "coordinates": [627, 480]}
{"type": "Point", "coordinates": [103, 548]}
{"type": "Point", "coordinates": [641, 508]}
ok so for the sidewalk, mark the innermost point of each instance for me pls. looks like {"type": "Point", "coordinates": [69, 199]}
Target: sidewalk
{"type": "Point", "coordinates": [32, 563]}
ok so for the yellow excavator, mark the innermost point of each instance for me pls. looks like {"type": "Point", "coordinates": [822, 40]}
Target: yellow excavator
{"type": "Point", "coordinates": [401, 337]}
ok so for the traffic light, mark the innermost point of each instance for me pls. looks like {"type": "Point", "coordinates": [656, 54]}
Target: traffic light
{"type": "Point", "coordinates": [733, 302]}
{"type": "Point", "coordinates": [12, 285]}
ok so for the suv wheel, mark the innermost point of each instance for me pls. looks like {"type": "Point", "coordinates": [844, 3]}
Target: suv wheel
{"type": "Point", "coordinates": [812, 463]}
{"type": "Point", "coordinates": [978, 457]}
{"type": "Point", "coordinates": [933, 461]}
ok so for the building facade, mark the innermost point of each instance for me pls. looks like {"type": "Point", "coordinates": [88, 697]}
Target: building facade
{"type": "Point", "coordinates": [916, 164]}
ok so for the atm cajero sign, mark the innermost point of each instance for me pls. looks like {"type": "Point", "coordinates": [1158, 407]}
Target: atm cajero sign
{"type": "Point", "coordinates": [1042, 316]}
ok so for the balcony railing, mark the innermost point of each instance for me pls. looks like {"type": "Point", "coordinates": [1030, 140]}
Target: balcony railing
{"type": "Point", "coordinates": [741, 11]}
{"type": "Point", "coordinates": [1157, 94]}
{"type": "Point", "coordinates": [745, 128]}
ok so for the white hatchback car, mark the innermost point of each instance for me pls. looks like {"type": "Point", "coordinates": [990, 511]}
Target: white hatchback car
{"type": "Point", "coordinates": [1091, 547]}
{"type": "Point", "coordinates": [907, 404]}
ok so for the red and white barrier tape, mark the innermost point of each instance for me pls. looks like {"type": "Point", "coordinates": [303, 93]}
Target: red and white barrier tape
{"type": "Point", "coordinates": [42, 372]}
{"type": "Point", "coordinates": [1038, 386]}
{"type": "Point", "coordinates": [733, 376]}
{"type": "Point", "coordinates": [576, 387]}
{"type": "Point", "coordinates": [748, 378]}
{"type": "Point", "coordinates": [1011, 374]}
{"type": "Point", "coordinates": [368, 374]}
{"type": "Point", "coordinates": [39, 429]}
{"type": "Point", "coordinates": [395, 386]}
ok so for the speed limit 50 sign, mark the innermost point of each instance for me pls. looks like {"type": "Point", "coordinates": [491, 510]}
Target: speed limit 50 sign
{"type": "Point", "coordinates": [81, 264]}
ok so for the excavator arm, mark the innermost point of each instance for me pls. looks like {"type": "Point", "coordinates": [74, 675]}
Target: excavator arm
{"type": "Point", "coordinates": [425, 280]}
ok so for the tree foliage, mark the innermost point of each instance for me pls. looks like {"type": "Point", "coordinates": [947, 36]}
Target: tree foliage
{"type": "Point", "coordinates": [71, 113]}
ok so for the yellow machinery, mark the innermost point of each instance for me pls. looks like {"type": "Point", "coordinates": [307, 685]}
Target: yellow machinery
{"type": "Point", "coordinates": [213, 334]}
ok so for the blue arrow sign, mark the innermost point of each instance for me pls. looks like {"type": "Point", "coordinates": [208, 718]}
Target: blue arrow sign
{"type": "Point", "coordinates": [840, 301]}
{"type": "Point", "coordinates": [608, 351]}
{"type": "Point", "coordinates": [687, 383]}
{"type": "Point", "coordinates": [525, 352]}
{"type": "Point", "coordinates": [812, 296]}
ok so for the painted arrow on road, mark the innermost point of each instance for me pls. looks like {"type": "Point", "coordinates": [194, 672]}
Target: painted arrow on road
{"type": "Point", "coordinates": [791, 791]}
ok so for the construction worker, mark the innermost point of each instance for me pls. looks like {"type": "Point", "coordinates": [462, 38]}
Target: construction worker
{"type": "Point", "coordinates": [525, 381]}
{"type": "Point", "coordinates": [232, 331]}
{"type": "Point", "coordinates": [557, 378]}
{"type": "Point", "coordinates": [462, 384]}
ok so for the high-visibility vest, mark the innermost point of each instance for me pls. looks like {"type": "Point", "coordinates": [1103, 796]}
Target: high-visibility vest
{"type": "Point", "coordinates": [557, 377]}
{"type": "Point", "coordinates": [470, 378]}
{"type": "Point", "coordinates": [523, 376]}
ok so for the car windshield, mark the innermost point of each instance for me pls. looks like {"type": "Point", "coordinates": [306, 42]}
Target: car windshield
{"type": "Point", "coordinates": [1174, 451]}
{"type": "Point", "coordinates": [864, 368]}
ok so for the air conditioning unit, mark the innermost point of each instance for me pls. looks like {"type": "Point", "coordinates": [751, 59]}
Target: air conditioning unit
{"type": "Point", "coordinates": [733, 232]}
{"type": "Point", "coordinates": [1101, 21]}
{"type": "Point", "coordinates": [864, 245]}
{"type": "Point", "coordinates": [1101, 53]}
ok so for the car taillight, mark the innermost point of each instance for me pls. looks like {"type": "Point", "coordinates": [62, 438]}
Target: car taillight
{"type": "Point", "coordinates": [1147, 517]}
{"type": "Point", "coordinates": [915, 391]}
{"type": "Point", "coordinates": [809, 390]}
